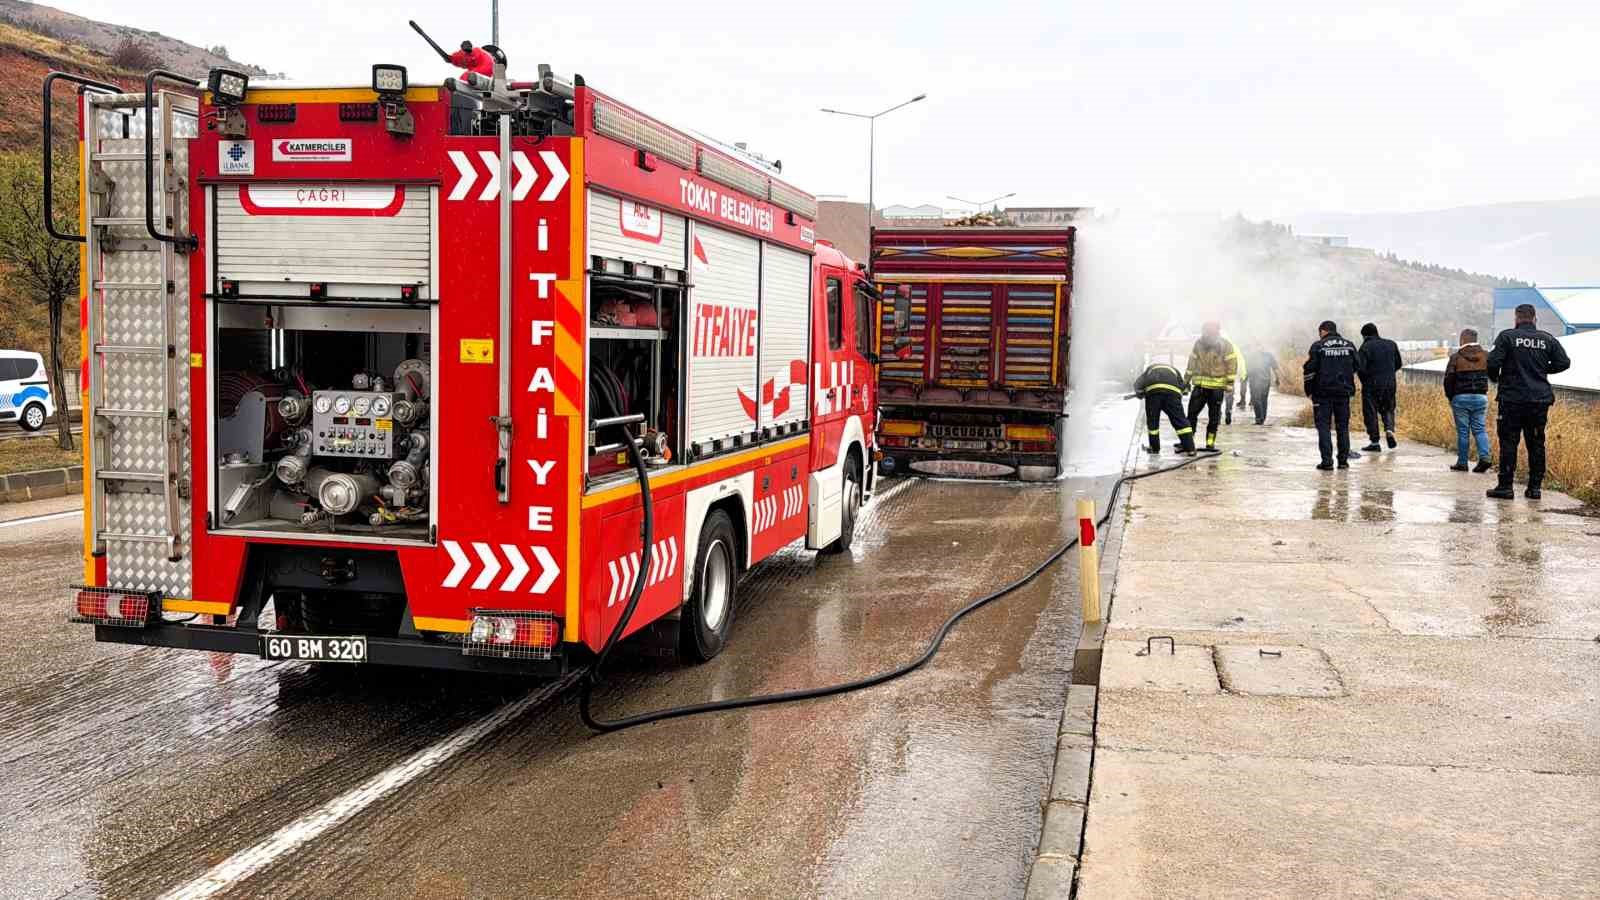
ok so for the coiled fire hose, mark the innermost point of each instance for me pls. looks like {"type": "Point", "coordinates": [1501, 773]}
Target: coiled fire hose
{"type": "Point", "coordinates": [594, 676]}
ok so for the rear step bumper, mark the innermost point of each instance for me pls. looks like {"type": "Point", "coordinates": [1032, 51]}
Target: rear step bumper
{"type": "Point", "coordinates": [381, 651]}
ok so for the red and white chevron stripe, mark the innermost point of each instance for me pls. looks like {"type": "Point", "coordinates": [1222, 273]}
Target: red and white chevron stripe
{"type": "Point", "coordinates": [777, 508]}
{"type": "Point", "coordinates": [839, 378]}
{"type": "Point", "coordinates": [489, 561]}
{"type": "Point", "coordinates": [624, 570]}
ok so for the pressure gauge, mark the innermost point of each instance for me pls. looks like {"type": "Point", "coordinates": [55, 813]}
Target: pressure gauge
{"type": "Point", "coordinates": [323, 404]}
{"type": "Point", "coordinates": [341, 406]}
{"type": "Point", "coordinates": [361, 405]}
{"type": "Point", "coordinates": [380, 406]}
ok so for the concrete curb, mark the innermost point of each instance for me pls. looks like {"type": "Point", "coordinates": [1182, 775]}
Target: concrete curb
{"type": "Point", "coordinates": [1054, 872]}
{"type": "Point", "coordinates": [43, 484]}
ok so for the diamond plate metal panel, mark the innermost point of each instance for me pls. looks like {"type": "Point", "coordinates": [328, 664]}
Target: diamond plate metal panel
{"type": "Point", "coordinates": [138, 318]}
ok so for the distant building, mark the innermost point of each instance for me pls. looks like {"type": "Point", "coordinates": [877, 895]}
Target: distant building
{"type": "Point", "coordinates": [926, 212]}
{"type": "Point", "coordinates": [844, 224]}
{"type": "Point", "coordinates": [1326, 240]}
{"type": "Point", "coordinates": [1562, 310]}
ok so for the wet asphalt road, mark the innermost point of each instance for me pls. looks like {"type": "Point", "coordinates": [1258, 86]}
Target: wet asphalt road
{"type": "Point", "coordinates": [130, 772]}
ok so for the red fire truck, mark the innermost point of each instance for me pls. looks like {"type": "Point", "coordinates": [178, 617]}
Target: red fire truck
{"type": "Point", "coordinates": [974, 356]}
{"type": "Point", "coordinates": [363, 365]}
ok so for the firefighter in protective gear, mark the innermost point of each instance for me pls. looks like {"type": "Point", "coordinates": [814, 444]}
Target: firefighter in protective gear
{"type": "Point", "coordinates": [1162, 386]}
{"type": "Point", "coordinates": [1214, 365]}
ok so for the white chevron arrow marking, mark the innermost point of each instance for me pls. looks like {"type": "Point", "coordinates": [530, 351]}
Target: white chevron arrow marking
{"type": "Point", "coordinates": [491, 565]}
{"type": "Point", "coordinates": [526, 176]}
{"type": "Point", "coordinates": [519, 567]}
{"type": "Point", "coordinates": [468, 176]}
{"type": "Point", "coordinates": [558, 176]}
{"type": "Point", "coordinates": [611, 599]}
{"type": "Point", "coordinates": [672, 551]}
{"type": "Point", "coordinates": [549, 570]}
{"type": "Point", "coordinates": [491, 162]}
{"type": "Point", "coordinates": [459, 570]}
{"type": "Point", "coordinates": [656, 557]}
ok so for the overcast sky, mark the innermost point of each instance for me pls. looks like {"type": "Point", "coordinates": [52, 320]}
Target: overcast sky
{"type": "Point", "coordinates": [1270, 108]}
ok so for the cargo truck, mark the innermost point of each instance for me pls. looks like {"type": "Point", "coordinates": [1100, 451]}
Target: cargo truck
{"type": "Point", "coordinates": [972, 369]}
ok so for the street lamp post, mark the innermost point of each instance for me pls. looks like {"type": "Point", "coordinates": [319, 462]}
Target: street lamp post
{"type": "Point", "coordinates": [872, 142]}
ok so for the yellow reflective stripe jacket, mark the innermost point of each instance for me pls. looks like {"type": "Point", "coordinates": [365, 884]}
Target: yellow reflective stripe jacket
{"type": "Point", "coordinates": [1215, 365]}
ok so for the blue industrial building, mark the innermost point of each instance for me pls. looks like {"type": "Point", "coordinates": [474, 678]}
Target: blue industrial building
{"type": "Point", "coordinates": [1562, 310]}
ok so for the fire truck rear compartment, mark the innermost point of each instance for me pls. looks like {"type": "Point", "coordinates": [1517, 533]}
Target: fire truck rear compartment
{"type": "Point", "coordinates": [322, 421]}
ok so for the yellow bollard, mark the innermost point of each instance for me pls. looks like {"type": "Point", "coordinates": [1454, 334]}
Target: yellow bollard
{"type": "Point", "coordinates": [1088, 560]}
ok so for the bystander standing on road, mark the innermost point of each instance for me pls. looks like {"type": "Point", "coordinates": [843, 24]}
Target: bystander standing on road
{"type": "Point", "coordinates": [1330, 382]}
{"type": "Point", "coordinates": [1466, 385]}
{"type": "Point", "coordinates": [1377, 362]}
{"type": "Point", "coordinates": [1262, 379]}
{"type": "Point", "coordinates": [1213, 366]}
{"type": "Point", "coordinates": [1521, 362]}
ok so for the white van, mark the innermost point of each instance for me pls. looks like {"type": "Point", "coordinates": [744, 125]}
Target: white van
{"type": "Point", "coordinates": [24, 389]}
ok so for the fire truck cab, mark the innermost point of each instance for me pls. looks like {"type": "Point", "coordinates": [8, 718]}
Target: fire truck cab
{"type": "Point", "coordinates": [361, 376]}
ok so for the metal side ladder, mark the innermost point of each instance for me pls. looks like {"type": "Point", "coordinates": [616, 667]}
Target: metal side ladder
{"type": "Point", "coordinates": [138, 323]}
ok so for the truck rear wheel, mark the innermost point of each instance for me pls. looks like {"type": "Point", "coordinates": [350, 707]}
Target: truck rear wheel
{"type": "Point", "coordinates": [708, 614]}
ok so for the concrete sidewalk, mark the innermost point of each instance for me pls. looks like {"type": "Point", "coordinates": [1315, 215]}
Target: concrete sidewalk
{"type": "Point", "coordinates": [1383, 684]}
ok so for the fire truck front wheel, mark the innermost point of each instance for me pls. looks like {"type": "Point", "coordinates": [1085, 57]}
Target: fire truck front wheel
{"type": "Point", "coordinates": [708, 615]}
{"type": "Point", "coordinates": [850, 506]}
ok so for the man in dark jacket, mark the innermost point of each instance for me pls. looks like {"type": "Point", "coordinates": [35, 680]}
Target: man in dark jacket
{"type": "Point", "coordinates": [1262, 377]}
{"type": "Point", "coordinates": [1521, 362]}
{"type": "Point", "coordinates": [1466, 385]}
{"type": "Point", "coordinates": [1162, 388]}
{"type": "Point", "coordinates": [1330, 382]}
{"type": "Point", "coordinates": [1376, 362]}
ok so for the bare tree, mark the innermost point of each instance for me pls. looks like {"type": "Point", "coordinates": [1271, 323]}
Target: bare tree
{"type": "Point", "coordinates": [34, 266]}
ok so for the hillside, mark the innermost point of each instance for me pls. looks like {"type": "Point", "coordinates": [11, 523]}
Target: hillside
{"type": "Point", "coordinates": [106, 38]}
{"type": "Point", "coordinates": [36, 39]}
{"type": "Point", "coordinates": [1543, 242]}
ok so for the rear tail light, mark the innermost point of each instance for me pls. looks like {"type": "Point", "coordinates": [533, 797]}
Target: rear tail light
{"type": "Point", "coordinates": [512, 634]}
{"type": "Point", "coordinates": [108, 606]}
{"type": "Point", "coordinates": [903, 429]}
{"type": "Point", "coordinates": [1030, 433]}
{"type": "Point", "coordinates": [319, 290]}
{"type": "Point", "coordinates": [408, 292]}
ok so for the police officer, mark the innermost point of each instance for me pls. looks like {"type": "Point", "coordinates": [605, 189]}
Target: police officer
{"type": "Point", "coordinates": [1161, 386]}
{"type": "Point", "coordinates": [1521, 362]}
{"type": "Point", "coordinates": [1330, 382]}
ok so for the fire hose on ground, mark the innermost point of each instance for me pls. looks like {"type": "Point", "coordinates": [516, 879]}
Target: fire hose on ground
{"type": "Point", "coordinates": [595, 677]}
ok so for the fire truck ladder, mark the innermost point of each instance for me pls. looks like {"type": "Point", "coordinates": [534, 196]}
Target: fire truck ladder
{"type": "Point", "coordinates": [135, 167]}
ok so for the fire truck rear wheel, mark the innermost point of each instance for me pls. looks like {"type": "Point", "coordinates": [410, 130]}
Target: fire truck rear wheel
{"type": "Point", "coordinates": [850, 507]}
{"type": "Point", "coordinates": [708, 616]}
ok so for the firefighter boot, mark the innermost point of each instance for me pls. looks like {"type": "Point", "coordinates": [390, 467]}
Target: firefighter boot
{"type": "Point", "coordinates": [1154, 446]}
{"type": "Point", "coordinates": [1501, 492]}
{"type": "Point", "coordinates": [1186, 445]}
{"type": "Point", "coordinates": [1533, 492]}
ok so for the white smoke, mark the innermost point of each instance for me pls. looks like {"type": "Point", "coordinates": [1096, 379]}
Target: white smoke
{"type": "Point", "coordinates": [1146, 281]}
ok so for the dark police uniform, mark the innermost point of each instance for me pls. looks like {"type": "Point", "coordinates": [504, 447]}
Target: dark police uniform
{"type": "Point", "coordinates": [1330, 382]}
{"type": "Point", "coordinates": [1521, 362]}
{"type": "Point", "coordinates": [1162, 386]}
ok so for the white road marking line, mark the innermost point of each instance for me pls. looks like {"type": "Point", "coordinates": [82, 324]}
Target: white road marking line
{"type": "Point", "coordinates": [46, 517]}
{"type": "Point", "coordinates": [309, 827]}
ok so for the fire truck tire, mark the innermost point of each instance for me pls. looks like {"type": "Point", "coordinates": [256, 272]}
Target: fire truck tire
{"type": "Point", "coordinates": [849, 507]}
{"type": "Point", "coordinates": [708, 615]}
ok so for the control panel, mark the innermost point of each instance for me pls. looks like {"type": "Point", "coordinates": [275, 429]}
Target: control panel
{"type": "Point", "coordinates": [353, 423]}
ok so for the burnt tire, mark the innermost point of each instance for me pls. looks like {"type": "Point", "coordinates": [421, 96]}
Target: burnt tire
{"type": "Point", "coordinates": [33, 416]}
{"type": "Point", "coordinates": [708, 615]}
{"type": "Point", "coordinates": [849, 508]}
